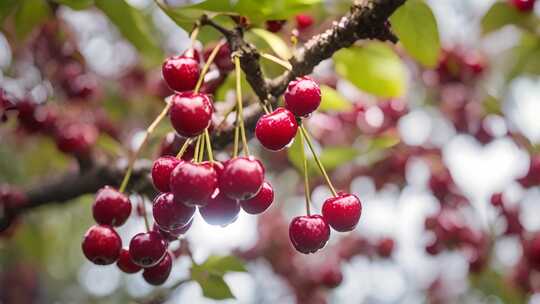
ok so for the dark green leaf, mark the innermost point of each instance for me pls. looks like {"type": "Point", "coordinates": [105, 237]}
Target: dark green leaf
{"type": "Point", "coordinates": [501, 14]}
{"type": "Point", "coordinates": [76, 4]}
{"type": "Point", "coordinates": [30, 14]}
{"type": "Point", "coordinates": [416, 27]}
{"type": "Point", "coordinates": [374, 68]}
{"type": "Point", "coordinates": [214, 287]}
{"type": "Point", "coordinates": [333, 101]}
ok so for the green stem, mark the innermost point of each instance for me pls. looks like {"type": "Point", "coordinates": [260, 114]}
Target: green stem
{"type": "Point", "coordinates": [196, 153]}
{"type": "Point", "coordinates": [209, 146]}
{"type": "Point", "coordinates": [184, 148]}
{"type": "Point", "coordinates": [201, 148]}
{"type": "Point", "coordinates": [283, 63]}
{"type": "Point", "coordinates": [317, 160]}
{"type": "Point", "coordinates": [306, 178]}
{"type": "Point", "coordinates": [239, 106]}
{"type": "Point", "coordinates": [236, 135]}
{"type": "Point", "coordinates": [206, 67]}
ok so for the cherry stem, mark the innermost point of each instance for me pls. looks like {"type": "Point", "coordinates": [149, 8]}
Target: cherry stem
{"type": "Point", "coordinates": [209, 146]}
{"type": "Point", "coordinates": [283, 63]}
{"type": "Point", "coordinates": [239, 105]}
{"type": "Point", "coordinates": [306, 178]}
{"type": "Point", "coordinates": [236, 135]}
{"type": "Point", "coordinates": [184, 148]}
{"type": "Point", "coordinates": [147, 134]}
{"type": "Point", "coordinates": [207, 66]}
{"type": "Point", "coordinates": [201, 148]}
{"type": "Point", "coordinates": [196, 153]}
{"type": "Point", "coordinates": [194, 35]}
{"type": "Point", "coordinates": [317, 160]}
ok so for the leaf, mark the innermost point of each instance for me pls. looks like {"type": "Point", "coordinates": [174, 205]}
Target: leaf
{"type": "Point", "coordinates": [214, 287]}
{"type": "Point", "coordinates": [209, 275]}
{"type": "Point", "coordinates": [374, 68]}
{"type": "Point", "coordinates": [526, 56]}
{"type": "Point", "coordinates": [133, 26]}
{"type": "Point", "coordinates": [383, 142]}
{"type": "Point", "coordinates": [275, 42]}
{"type": "Point", "coordinates": [7, 7]}
{"type": "Point", "coordinates": [223, 264]}
{"type": "Point", "coordinates": [30, 14]}
{"type": "Point", "coordinates": [333, 157]}
{"type": "Point", "coordinates": [501, 14]}
{"type": "Point", "coordinates": [76, 4]}
{"type": "Point", "coordinates": [333, 101]}
{"type": "Point", "coordinates": [416, 27]}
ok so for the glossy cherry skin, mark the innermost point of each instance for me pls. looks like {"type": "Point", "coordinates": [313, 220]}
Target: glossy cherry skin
{"type": "Point", "coordinates": [180, 73]}
{"type": "Point", "coordinates": [277, 129]}
{"type": "Point", "coordinates": [193, 54]}
{"type": "Point", "coordinates": [158, 274]}
{"type": "Point", "coordinates": [190, 113]}
{"type": "Point", "coordinates": [223, 58]}
{"type": "Point", "coordinates": [220, 210]}
{"type": "Point", "coordinates": [303, 21]}
{"type": "Point", "coordinates": [260, 202]}
{"type": "Point", "coordinates": [170, 214]}
{"type": "Point", "coordinates": [308, 234]}
{"type": "Point", "coordinates": [193, 184]}
{"type": "Point", "coordinates": [343, 212]}
{"type": "Point", "coordinates": [101, 245]}
{"type": "Point", "coordinates": [125, 263]}
{"type": "Point", "coordinates": [242, 178]}
{"type": "Point", "coordinates": [303, 96]}
{"type": "Point", "coordinates": [147, 248]}
{"type": "Point", "coordinates": [523, 5]}
{"type": "Point", "coordinates": [76, 138]}
{"type": "Point", "coordinates": [161, 172]}
{"type": "Point", "coordinates": [111, 207]}
{"type": "Point", "coordinates": [330, 275]}
{"type": "Point", "coordinates": [172, 235]}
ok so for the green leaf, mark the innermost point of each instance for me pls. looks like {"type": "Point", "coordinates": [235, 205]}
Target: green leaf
{"type": "Point", "coordinates": [223, 264]}
{"type": "Point", "coordinates": [374, 68]}
{"type": "Point", "coordinates": [213, 286]}
{"type": "Point", "coordinates": [416, 27]}
{"type": "Point", "coordinates": [333, 101]}
{"type": "Point", "coordinates": [501, 14]}
{"type": "Point", "coordinates": [275, 42]}
{"type": "Point", "coordinates": [133, 26]}
{"type": "Point", "coordinates": [526, 56]}
{"type": "Point", "coordinates": [30, 14]}
{"type": "Point", "coordinates": [7, 7]}
{"type": "Point", "coordinates": [209, 275]}
{"type": "Point", "coordinates": [76, 4]}
{"type": "Point", "coordinates": [383, 142]}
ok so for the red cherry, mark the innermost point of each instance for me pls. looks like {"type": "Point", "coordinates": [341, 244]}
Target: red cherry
{"type": "Point", "coordinates": [330, 275]}
{"type": "Point", "coordinates": [523, 5]}
{"type": "Point", "coordinates": [308, 234]}
{"type": "Point", "coordinates": [531, 248]}
{"type": "Point", "coordinates": [180, 73]}
{"type": "Point", "coordinates": [125, 263]}
{"type": "Point", "coordinates": [101, 245]}
{"type": "Point", "coordinates": [147, 248]}
{"type": "Point", "coordinates": [193, 184]}
{"type": "Point", "coordinates": [191, 113]}
{"type": "Point", "coordinates": [497, 200]}
{"type": "Point", "coordinates": [220, 210]}
{"type": "Point", "coordinates": [385, 247]}
{"type": "Point", "coordinates": [193, 54]}
{"type": "Point", "coordinates": [170, 214]}
{"type": "Point", "coordinates": [303, 96]}
{"type": "Point", "coordinates": [342, 212]}
{"type": "Point", "coordinates": [172, 235]}
{"type": "Point", "coordinates": [242, 178]}
{"type": "Point", "coordinates": [260, 202]}
{"type": "Point", "coordinates": [111, 207]}
{"type": "Point", "coordinates": [275, 26]}
{"type": "Point", "coordinates": [76, 138]}
{"type": "Point", "coordinates": [158, 274]}
{"type": "Point", "coordinates": [223, 58]}
{"type": "Point", "coordinates": [161, 172]}
{"type": "Point", "coordinates": [277, 129]}
{"type": "Point", "coordinates": [303, 21]}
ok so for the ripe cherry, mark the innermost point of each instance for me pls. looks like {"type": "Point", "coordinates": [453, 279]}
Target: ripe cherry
{"type": "Point", "coordinates": [158, 274]}
{"type": "Point", "coordinates": [172, 235]}
{"type": "Point", "coordinates": [260, 202]}
{"type": "Point", "coordinates": [161, 172]}
{"type": "Point", "coordinates": [76, 138]}
{"type": "Point", "coordinates": [193, 54]}
{"type": "Point", "coordinates": [223, 58]}
{"type": "Point", "coordinates": [147, 248]}
{"type": "Point", "coordinates": [180, 73]}
{"type": "Point", "coordinates": [193, 184]}
{"type": "Point", "coordinates": [308, 234]}
{"type": "Point", "coordinates": [170, 214]}
{"type": "Point", "coordinates": [220, 210]}
{"type": "Point", "coordinates": [101, 245]}
{"type": "Point", "coordinates": [330, 275]}
{"type": "Point", "coordinates": [523, 5]}
{"type": "Point", "coordinates": [275, 26]}
{"type": "Point", "coordinates": [385, 247]}
{"type": "Point", "coordinates": [303, 21]}
{"type": "Point", "coordinates": [242, 178]}
{"type": "Point", "coordinates": [342, 212]}
{"type": "Point", "coordinates": [125, 263]}
{"type": "Point", "coordinates": [191, 113]}
{"type": "Point", "coordinates": [277, 129]}
{"type": "Point", "coordinates": [303, 96]}
{"type": "Point", "coordinates": [111, 207]}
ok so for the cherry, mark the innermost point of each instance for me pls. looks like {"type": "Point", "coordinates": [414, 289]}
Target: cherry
{"type": "Point", "coordinates": [303, 21]}
{"type": "Point", "coordinates": [260, 202]}
{"type": "Point", "coordinates": [161, 172]}
{"type": "Point", "coordinates": [111, 207]}
{"type": "Point", "coordinates": [532, 250]}
{"type": "Point", "coordinates": [275, 26]}
{"type": "Point", "coordinates": [497, 200]}
{"type": "Point", "coordinates": [172, 235]}
{"type": "Point", "coordinates": [158, 274]}
{"type": "Point", "coordinates": [309, 233]}
{"type": "Point", "coordinates": [125, 263]}
{"type": "Point", "coordinates": [342, 212]}
{"type": "Point", "coordinates": [385, 247]}
{"type": "Point", "coordinates": [147, 248]}
{"type": "Point", "coordinates": [220, 210]}
{"type": "Point", "coordinates": [523, 5]}
{"type": "Point", "coordinates": [101, 245]}
{"type": "Point", "coordinates": [170, 214]}
{"type": "Point", "coordinates": [193, 184]}
{"type": "Point", "coordinates": [223, 58]}
{"type": "Point", "coordinates": [76, 138]}
{"type": "Point", "coordinates": [330, 275]}
{"type": "Point", "coordinates": [303, 96]}
{"type": "Point", "coordinates": [180, 73]}
{"type": "Point", "coordinates": [193, 54]}
{"type": "Point", "coordinates": [191, 113]}
{"type": "Point", "coordinates": [242, 178]}
{"type": "Point", "coordinates": [277, 129]}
